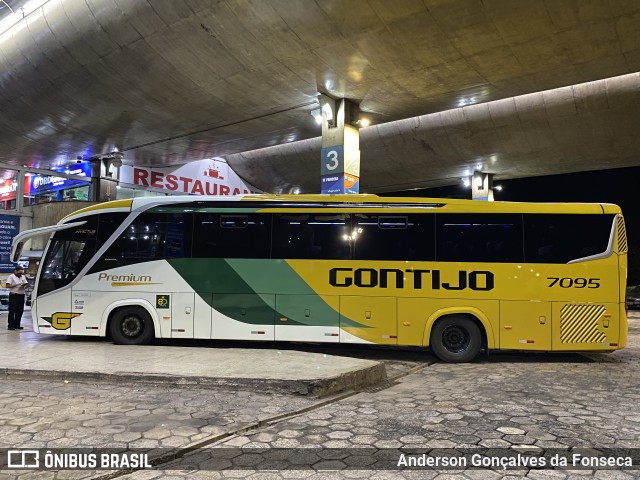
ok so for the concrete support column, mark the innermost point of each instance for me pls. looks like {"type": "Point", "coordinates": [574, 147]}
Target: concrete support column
{"type": "Point", "coordinates": [482, 186]}
{"type": "Point", "coordinates": [104, 176]}
{"type": "Point", "coordinates": [20, 191]}
{"type": "Point", "coordinates": [340, 156]}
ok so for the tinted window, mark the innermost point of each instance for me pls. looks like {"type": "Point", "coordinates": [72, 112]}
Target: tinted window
{"type": "Point", "coordinates": [231, 235]}
{"type": "Point", "coordinates": [109, 222]}
{"type": "Point", "coordinates": [311, 236]}
{"type": "Point", "coordinates": [479, 238]}
{"type": "Point", "coordinates": [67, 254]}
{"type": "Point", "coordinates": [562, 238]}
{"type": "Point", "coordinates": [88, 230]}
{"type": "Point", "coordinates": [393, 237]}
{"type": "Point", "coordinates": [153, 236]}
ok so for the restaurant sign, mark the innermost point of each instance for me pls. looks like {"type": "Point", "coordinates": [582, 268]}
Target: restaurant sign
{"type": "Point", "coordinates": [203, 177]}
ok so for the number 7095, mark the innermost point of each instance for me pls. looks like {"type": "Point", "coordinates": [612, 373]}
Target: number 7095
{"type": "Point", "coordinates": [568, 282]}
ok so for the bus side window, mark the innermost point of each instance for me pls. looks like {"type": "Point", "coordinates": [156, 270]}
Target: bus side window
{"type": "Point", "coordinates": [471, 237]}
{"type": "Point", "coordinates": [219, 235]}
{"type": "Point", "coordinates": [560, 238]}
{"type": "Point", "coordinates": [108, 223]}
{"type": "Point", "coordinates": [154, 236]}
{"type": "Point", "coordinates": [393, 237]}
{"type": "Point", "coordinates": [306, 236]}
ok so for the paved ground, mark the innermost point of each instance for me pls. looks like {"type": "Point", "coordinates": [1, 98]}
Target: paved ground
{"type": "Point", "coordinates": [540, 401]}
{"type": "Point", "coordinates": [24, 353]}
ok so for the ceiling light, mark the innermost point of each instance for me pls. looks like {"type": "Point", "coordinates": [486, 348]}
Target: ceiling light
{"type": "Point", "coordinates": [328, 107]}
{"type": "Point", "coordinates": [328, 112]}
{"type": "Point", "coordinates": [466, 182]}
{"type": "Point", "coordinates": [498, 187]}
{"type": "Point", "coordinates": [317, 115]}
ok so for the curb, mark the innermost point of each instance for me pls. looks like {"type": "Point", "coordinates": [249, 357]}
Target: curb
{"type": "Point", "coordinates": [314, 387]}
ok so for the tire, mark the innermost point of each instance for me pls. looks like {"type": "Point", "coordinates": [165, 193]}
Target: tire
{"type": "Point", "coordinates": [131, 326]}
{"type": "Point", "coordinates": [455, 339]}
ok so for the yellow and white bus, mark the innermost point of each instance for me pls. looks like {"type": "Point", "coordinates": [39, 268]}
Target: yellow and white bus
{"type": "Point", "coordinates": [456, 276]}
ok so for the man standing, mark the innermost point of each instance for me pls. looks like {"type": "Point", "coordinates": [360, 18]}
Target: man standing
{"type": "Point", "coordinates": [16, 283]}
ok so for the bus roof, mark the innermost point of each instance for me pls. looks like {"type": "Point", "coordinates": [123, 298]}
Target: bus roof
{"type": "Point", "coordinates": [271, 202]}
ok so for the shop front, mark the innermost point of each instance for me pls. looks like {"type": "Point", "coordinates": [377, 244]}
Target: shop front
{"type": "Point", "coordinates": [49, 188]}
{"type": "Point", "coordinates": [8, 191]}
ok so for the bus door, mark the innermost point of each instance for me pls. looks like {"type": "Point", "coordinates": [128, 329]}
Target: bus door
{"type": "Point", "coordinates": [182, 310]}
{"type": "Point", "coordinates": [368, 320]}
{"type": "Point", "coordinates": [525, 325]}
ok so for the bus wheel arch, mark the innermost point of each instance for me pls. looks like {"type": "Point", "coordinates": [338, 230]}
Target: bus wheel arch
{"type": "Point", "coordinates": [131, 324]}
{"type": "Point", "coordinates": [457, 337]}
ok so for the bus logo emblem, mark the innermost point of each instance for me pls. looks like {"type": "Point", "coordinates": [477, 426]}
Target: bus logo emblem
{"type": "Point", "coordinates": [162, 301]}
{"type": "Point", "coordinates": [61, 320]}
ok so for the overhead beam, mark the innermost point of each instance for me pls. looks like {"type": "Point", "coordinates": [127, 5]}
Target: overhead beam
{"type": "Point", "coordinates": [41, 171]}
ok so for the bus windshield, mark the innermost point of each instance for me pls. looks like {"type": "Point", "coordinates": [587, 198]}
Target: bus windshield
{"type": "Point", "coordinates": [63, 260]}
{"type": "Point", "coordinates": [69, 251]}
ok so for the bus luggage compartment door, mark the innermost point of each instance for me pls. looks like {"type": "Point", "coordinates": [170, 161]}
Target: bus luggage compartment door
{"type": "Point", "coordinates": [585, 326]}
{"type": "Point", "coordinates": [368, 320]}
{"type": "Point", "coordinates": [307, 318]}
{"type": "Point", "coordinates": [182, 314]}
{"type": "Point", "coordinates": [242, 316]}
{"type": "Point", "coordinates": [525, 325]}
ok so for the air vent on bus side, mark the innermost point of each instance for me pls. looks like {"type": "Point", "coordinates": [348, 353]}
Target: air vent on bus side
{"type": "Point", "coordinates": [622, 235]}
{"type": "Point", "coordinates": [579, 323]}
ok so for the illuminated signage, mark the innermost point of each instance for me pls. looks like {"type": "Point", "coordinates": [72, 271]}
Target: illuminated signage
{"type": "Point", "coordinates": [204, 177]}
{"type": "Point", "coordinates": [51, 183]}
{"type": "Point", "coordinates": [8, 189]}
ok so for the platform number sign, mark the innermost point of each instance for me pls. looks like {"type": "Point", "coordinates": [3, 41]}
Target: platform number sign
{"type": "Point", "coordinates": [332, 156]}
{"type": "Point", "coordinates": [332, 160]}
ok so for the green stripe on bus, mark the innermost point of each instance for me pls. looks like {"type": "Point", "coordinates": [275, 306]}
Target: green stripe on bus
{"type": "Point", "coordinates": [244, 289]}
{"type": "Point", "coordinates": [278, 276]}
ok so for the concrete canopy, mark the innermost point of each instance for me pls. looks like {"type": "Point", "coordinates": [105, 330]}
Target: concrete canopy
{"type": "Point", "coordinates": [518, 88]}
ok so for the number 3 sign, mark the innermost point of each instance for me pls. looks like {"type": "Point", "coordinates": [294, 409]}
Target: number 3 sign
{"type": "Point", "coordinates": [332, 160]}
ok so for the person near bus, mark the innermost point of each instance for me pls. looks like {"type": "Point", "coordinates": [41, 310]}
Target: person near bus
{"type": "Point", "coordinates": [17, 284]}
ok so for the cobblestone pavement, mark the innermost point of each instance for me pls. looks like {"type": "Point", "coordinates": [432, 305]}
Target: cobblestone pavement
{"type": "Point", "coordinates": [547, 401]}
{"type": "Point", "coordinates": [506, 401]}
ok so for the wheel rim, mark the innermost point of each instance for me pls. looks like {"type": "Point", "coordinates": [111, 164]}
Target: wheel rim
{"type": "Point", "coordinates": [456, 339]}
{"type": "Point", "coordinates": [131, 326]}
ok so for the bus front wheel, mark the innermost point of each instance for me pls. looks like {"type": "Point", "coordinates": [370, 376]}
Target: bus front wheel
{"type": "Point", "coordinates": [455, 339]}
{"type": "Point", "coordinates": [131, 326]}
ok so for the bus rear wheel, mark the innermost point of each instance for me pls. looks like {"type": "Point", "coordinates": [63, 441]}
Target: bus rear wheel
{"type": "Point", "coordinates": [455, 339]}
{"type": "Point", "coordinates": [131, 326]}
